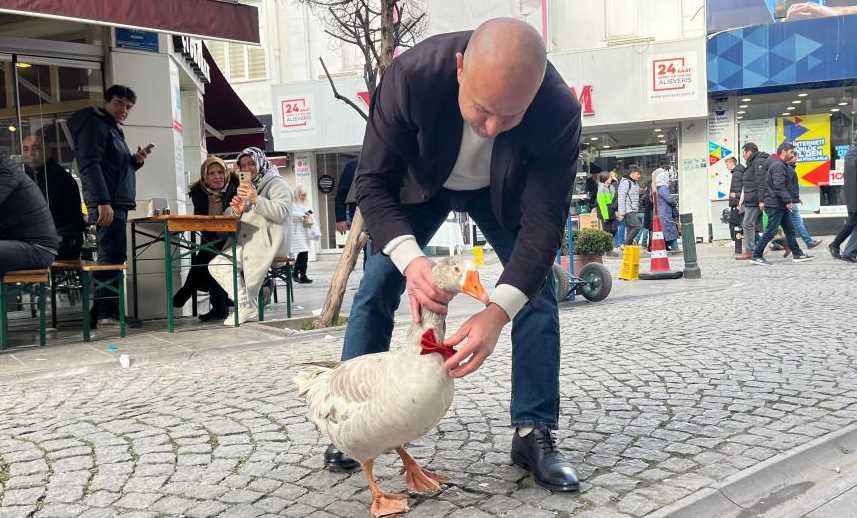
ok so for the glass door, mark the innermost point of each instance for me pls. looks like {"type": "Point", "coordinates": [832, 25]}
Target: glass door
{"type": "Point", "coordinates": [10, 140]}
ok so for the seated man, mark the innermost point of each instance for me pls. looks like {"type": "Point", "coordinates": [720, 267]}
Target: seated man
{"type": "Point", "coordinates": [61, 191]}
{"type": "Point", "coordinates": [28, 239]}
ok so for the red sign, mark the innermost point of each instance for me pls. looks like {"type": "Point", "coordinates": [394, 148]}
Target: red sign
{"type": "Point", "coordinates": [364, 96]}
{"type": "Point", "coordinates": [296, 113]}
{"type": "Point", "coordinates": [585, 99]}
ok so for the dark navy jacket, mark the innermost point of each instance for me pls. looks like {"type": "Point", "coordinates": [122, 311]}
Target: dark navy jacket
{"type": "Point", "coordinates": [106, 165]}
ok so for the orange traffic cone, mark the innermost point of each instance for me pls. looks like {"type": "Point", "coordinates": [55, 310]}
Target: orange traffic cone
{"type": "Point", "coordinates": [659, 266]}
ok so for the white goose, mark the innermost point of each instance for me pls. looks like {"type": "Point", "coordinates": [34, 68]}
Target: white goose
{"type": "Point", "coordinates": [379, 402]}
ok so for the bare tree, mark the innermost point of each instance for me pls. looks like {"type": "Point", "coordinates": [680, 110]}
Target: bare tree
{"type": "Point", "coordinates": [377, 28]}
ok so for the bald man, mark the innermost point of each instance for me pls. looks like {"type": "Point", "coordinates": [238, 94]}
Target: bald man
{"type": "Point", "coordinates": [477, 122]}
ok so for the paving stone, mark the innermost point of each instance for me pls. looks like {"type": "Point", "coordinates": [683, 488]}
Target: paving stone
{"type": "Point", "coordinates": [172, 505]}
{"type": "Point", "coordinates": [205, 509]}
{"type": "Point", "coordinates": [138, 500]}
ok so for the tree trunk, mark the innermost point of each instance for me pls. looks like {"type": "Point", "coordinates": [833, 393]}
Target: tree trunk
{"type": "Point", "coordinates": [357, 236]}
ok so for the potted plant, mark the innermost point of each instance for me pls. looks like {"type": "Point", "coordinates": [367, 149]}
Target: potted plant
{"type": "Point", "coordinates": [590, 245]}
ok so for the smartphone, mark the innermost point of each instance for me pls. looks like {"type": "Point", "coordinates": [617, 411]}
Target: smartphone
{"type": "Point", "coordinates": [148, 149]}
{"type": "Point", "coordinates": [244, 176]}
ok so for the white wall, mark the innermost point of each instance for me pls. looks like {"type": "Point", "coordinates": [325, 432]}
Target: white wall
{"type": "Point", "coordinates": [455, 15]}
{"type": "Point", "coordinates": [693, 174]}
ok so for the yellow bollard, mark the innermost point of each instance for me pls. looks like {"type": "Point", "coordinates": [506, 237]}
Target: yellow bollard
{"type": "Point", "coordinates": [478, 255]}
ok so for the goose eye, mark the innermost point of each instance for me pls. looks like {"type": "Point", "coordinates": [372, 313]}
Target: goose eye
{"type": "Point", "coordinates": [456, 269]}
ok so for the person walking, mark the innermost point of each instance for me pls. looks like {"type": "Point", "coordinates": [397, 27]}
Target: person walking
{"type": "Point", "coordinates": [629, 204]}
{"type": "Point", "coordinates": [211, 196]}
{"type": "Point", "coordinates": [755, 173]}
{"type": "Point", "coordinates": [302, 223]}
{"type": "Point", "coordinates": [495, 134]}
{"type": "Point", "coordinates": [780, 195]}
{"type": "Point", "coordinates": [794, 212]}
{"type": "Point", "coordinates": [108, 173]}
{"type": "Point", "coordinates": [264, 204]}
{"type": "Point", "coordinates": [736, 205]}
{"type": "Point", "coordinates": [850, 203]}
{"type": "Point", "coordinates": [666, 207]}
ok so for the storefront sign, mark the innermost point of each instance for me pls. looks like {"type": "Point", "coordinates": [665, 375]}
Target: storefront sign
{"type": "Point", "coordinates": [137, 40]}
{"type": "Point", "coordinates": [836, 177]}
{"type": "Point", "coordinates": [673, 77]}
{"type": "Point", "coordinates": [302, 169]}
{"type": "Point", "coordinates": [191, 50]}
{"type": "Point", "coordinates": [810, 135]}
{"type": "Point", "coordinates": [296, 113]}
{"type": "Point", "coordinates": [585, 99]}
{"type": "Point", "coordinates": [325, 183]}
{"type": "Point", "coordinates": [721, 144]}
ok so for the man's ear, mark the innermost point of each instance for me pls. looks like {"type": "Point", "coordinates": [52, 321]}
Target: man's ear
{"type": "Point", "coordinates": [459, 65]}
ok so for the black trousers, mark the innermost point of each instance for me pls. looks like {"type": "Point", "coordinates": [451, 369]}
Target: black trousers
{"type": "Point", "coordinates": [19, 255]}
{"type": "Point", "coordinates": [200, 279]}
{"type": "Point", "coordinates": [846, 230]}
{"type": "Point", "coordinates": [112, 249]}
{"type": "Point", "coordinates": [301, 265]}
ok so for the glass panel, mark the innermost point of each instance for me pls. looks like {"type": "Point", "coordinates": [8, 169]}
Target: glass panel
{"type": "Point", "coordinates": [218, 53]}
{"type": "Point", "coordinates": [9, 138]}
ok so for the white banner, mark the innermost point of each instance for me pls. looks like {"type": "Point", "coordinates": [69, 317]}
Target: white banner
{"type": "Point", "coordinates": [296, 113]}
{"type": "Point", "coordinates": [673, 77]}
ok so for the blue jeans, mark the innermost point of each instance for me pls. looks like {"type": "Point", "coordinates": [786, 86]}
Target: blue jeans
{"type": "Point", "coordinates": [619, 237]}
{"type": "Point", "coordinates": [797, 223]}
{"type": "Point", "coordinates": [777, 217]}
{"type": "Point", "coordinates": [535, 330]}
{"type": "Point", "coordinates": [112, 249]}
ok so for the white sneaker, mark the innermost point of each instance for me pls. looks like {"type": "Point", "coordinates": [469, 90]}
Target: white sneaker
{"type": "Point", "coordinates": [245, 314]}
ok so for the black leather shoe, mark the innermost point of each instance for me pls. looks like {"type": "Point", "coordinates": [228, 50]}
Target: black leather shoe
{"type": "Point", "coordinates": [538, 454]}
{"type": "Point", "coordinates": [335, 460]}
{"type": "Point", "coordinates": [834, 251]}
{"type": "Point", "coordinates": [181, 297]}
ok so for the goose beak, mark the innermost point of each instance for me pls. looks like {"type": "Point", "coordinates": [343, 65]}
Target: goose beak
{"type": "Point", "coordinates": [473, 287]}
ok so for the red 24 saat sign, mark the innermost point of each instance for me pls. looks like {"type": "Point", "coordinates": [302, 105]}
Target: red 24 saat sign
{"type": "Point", "coordinates": [296, 113]}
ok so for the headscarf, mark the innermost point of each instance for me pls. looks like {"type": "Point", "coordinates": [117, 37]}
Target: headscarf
{"type": "Point", "coordinates": [263, 165]}
{"type": "Point", "coordinates": [662, 177]}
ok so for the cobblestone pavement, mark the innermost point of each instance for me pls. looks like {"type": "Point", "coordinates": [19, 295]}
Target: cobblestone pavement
{"type": "Point", "coordinates": [666, 388]}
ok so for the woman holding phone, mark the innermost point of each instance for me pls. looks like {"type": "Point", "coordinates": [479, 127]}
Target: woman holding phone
{"type": "Point", "coordinates": [264, 203]}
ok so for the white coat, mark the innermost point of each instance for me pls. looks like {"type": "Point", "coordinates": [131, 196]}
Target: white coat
{"type": "Point", "coordinates": [300, 233]}
{"type": "Point", "coordinates": [263, 234]}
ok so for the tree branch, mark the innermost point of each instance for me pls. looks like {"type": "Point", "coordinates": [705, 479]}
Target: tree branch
{"type": "Point", "coordinates": [339, 96]}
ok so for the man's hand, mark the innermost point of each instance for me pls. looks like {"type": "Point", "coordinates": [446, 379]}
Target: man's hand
{"type": "Point", "coordinates": [481, 331]}
{"type": "Point", "coordinates": [105, 215]}
{"type": "Point", "coordinates": [141, 154]}
{"type": "Point", "coordinates": [237, 205]}
{"type": "Point", "coordinates": [620, 216]}
{"type": "Point", "coordinates": [247, 191]}
{"type": "Point", "coordinates": [422, 290]}
{"type": "Point", "coordinates": [342, 227]}
{"type": "Point", "coordinates": [790, 206]}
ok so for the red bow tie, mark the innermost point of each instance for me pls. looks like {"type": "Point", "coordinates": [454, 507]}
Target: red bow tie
{"type": "Point", "coordinates": [429, 345]}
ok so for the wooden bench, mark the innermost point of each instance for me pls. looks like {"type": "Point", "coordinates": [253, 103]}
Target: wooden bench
{"type": "Point", "coordinates": [86, 269]}
{"type": "Point", "coordinates": [281, 268]}
{"type": "Point", "coordinates": [23, 277]}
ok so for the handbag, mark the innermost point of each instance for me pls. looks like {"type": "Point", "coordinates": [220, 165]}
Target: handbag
{"type": "Point", "coordinates": [308, 220]}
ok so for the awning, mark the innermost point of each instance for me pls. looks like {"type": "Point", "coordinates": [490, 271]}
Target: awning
{"type": "Point", "coordinates": [229, 125]}
{"type": "Point", "coordinates": [205, 19]}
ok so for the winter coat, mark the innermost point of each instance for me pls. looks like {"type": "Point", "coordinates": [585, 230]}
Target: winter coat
{"type": "Point", "coordinates": [604, 198]}
{"type": "Point", "coordinates": [780, 184]}
{"type": "Point", "coordinates": [851, 179]}
{"type": "Point", "coordinates": [63, 195]}
{"type": "Point", "coordinates": [665, 213]}
{"type": "Point", "coordinates": [107, 167]}
{"type": "Point", "coordinates": [262, 235]}
{"type": "Point", "coordinates": [736, 185]}
{"type": "Point", "coordinates": [199, 199]}
{"type": "Point", "coordinates": [629, 196]}
{"type": "Point", "coordinates": [343, 204]}
{"type": "Point", "coordinates": [754, 177]}
{"type": "Point", "coordinates": [26, 216]}
{"type": "Point", "coordinates": [300, 233]}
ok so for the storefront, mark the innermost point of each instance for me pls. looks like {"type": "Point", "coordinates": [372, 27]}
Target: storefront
{"type": "Point", "coordinates": [785, 78]}
{"type": "Point", "coordinates": [59, 57]}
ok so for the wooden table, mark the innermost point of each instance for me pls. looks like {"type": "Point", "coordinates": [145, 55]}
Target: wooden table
{"type": "Point", "coordinates": [170, 230]}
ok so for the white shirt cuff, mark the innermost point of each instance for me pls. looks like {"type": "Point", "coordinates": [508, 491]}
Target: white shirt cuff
{"type": "Point", "coordinates": [509, 298]}
{"type": "Point", "coordinates": [402, 250]}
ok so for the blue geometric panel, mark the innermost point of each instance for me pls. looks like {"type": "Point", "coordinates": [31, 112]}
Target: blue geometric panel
{"type": "Point", "coordinates": [805, 51]}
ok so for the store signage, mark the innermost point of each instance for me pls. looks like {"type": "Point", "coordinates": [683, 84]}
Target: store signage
{"type": "Point", "coordinates": [673, 77]}
{"type": "Point", "coordinates": [296, 113]}
{"type": "Point", "coordinates": [325, 183]}
{"type": "Point", "coordinates": [191, 50]}
{"type": "Point", "coordinates": [585, 99]}
{"type": "Point", "coordinates": [810, 135]}
{"type": "Point", "coordinates": [137, 40]}
{"type": "Point", "coordinates": [836, 178]}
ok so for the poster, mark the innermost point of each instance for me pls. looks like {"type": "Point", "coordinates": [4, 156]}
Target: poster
{"type": "Point", "coordinates": [673, 77]}
{"type": "Point", "coordinates": [721, 144]}
{"type": "Point", "coordinates": [762, 132]}
{"type": "Point", "coordinates": [811, 136]}
{"type": "Point", "coordinates": [296, 113]}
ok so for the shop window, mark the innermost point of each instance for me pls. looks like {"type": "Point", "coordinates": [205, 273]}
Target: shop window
{"type": "Point", "coordinates": [239, 62]}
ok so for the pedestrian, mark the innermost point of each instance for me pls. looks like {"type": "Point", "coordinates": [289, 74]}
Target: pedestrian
{"type": "Point", "coordinates": [343, 207]}
{"type": "Point", "coordinates": [108, 173]}
{"type": "Point", "coordinates": [28, 238]}
{"type": "Point", "coordinates": [667, 210]}
{"type": "Point", "coordinates": [736, 206]}
{"type": "Point", "coordinates": [850, 177]}
{"type": "Point", "coordinates": [794, 212]}
{"type": "Point", "coordinates": [302, 224]}
{"type": "Point", "coordinates": [646, 213]}
{"type": "Point", "coordinates": [264, 203]}
{"type": "Point", "coordinates": [613, 185]}
{"type": "Point", "coordinates": [495, 134]}
{"type": "Point", "coordinates": [754, 173]}
{"type": "Point", "coordinates": [780, 195]}
{"type": "Point", "coordinates": [61, 192]}
{"type": "Point", "coordinates": [210, 196]}
{"type": "Point", "coordinates": [629, 203]}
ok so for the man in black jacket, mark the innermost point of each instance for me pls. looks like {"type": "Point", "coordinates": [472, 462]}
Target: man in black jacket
{"type": "Point", "coordinates": [780, 195]}
{"type": "Point", "coordinates": [735, 189]}
{"type": "Point", "coordinates": [751, 183]}
{"type": "Point", "coordinates": [28, 239]}
{"type": "Point", "coordinates": [477, 122]}
{"type": "Point", "coordinates": [107, 170]}
{"type": "Point", "coordinates": [851, 203]}
{"type": "Point", "coordinates": [61, 192]}
{"type": "Point", "coordinates": [343, 208]}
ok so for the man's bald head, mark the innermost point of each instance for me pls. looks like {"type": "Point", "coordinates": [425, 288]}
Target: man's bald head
{"type": "Point", "coordinates": [499, 74]}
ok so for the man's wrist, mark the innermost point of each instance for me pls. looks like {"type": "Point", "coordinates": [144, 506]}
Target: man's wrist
{"type": "Point", "coordinates": [499, 311]}
{"type": "Point", "coordinates": [402, 251]}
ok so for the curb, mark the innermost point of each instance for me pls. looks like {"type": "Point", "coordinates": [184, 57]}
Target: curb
{"type": "Point", "coordinates": [791, 483]}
